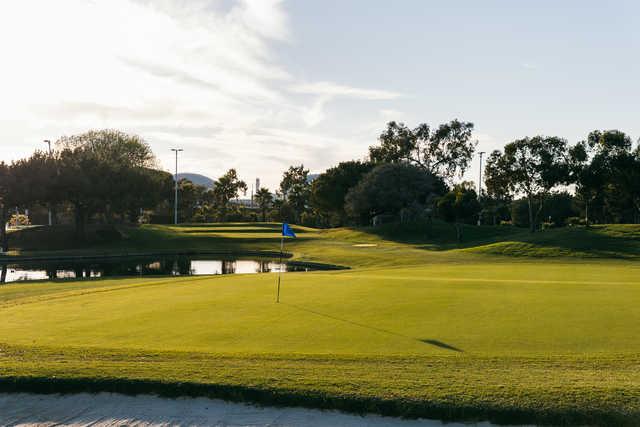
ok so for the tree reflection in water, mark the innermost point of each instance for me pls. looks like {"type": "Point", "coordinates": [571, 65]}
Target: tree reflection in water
{"type": "Point", "coordinates": [133, 266]}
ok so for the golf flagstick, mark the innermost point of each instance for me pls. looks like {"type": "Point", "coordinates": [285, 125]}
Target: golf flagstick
{"type": "Point", "coordinates": [280, 266]}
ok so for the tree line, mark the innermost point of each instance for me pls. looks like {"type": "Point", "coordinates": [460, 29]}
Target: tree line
{"type": "Point", "coordinates": [109, 176]}
{"type": "Point", "coordinates": [532, 182]}
{"type": "Point", "coordinates": [603, 170]}
{"type": "Point", "coordinates": [106, 174]}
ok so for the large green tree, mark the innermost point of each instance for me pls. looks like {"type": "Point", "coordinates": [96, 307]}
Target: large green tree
{"type": "Point", "coordinates": [390, 188]}
{"type": "Point", "coordinates": [529, 166]}
{"type": "Point", "coordinates": [296, 189]}
{"type": "Point", "coordinates": [604, 169]}
{"type": "Point", "coordinates": [447, 151]}
{"type": "Point", "coordinates": [105, 172]}
{"type": "Point", "coordinates": [112, 147]}
{"type": "Point", "coordinates": [460, 206]}
{"type": "Point", "coordinates": [328, 191]}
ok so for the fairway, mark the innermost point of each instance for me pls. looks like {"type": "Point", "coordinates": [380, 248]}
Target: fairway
{"type": "Point", "coordinates": [408, 330]}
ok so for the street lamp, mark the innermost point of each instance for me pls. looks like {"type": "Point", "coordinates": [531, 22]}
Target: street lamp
{"type": "Point", "coordinates": [480, 179]}
{"type": "Point", "coordinates": [175, 207]}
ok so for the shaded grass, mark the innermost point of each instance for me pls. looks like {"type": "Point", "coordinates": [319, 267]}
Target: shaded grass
{"type": "Point", "coordinates": [392, 244]}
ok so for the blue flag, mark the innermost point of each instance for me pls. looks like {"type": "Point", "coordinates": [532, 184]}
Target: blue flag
{"type": "Point", "coordinates": [287, 231]}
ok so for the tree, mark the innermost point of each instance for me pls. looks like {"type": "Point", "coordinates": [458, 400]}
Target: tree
{"type": "Point", "coordinates": [585, 175]}
{"type": "Point", "coordinates": [8, 195]}
{"type": "Point", "coordinates": [264, 199]}
{"type": "Point", "coordinates": [460, 206]}
{"type": "Point", "coordinates": [529, 166]}
{"type": "Point", "coordinates": [226, 188]}
{"type": "Point", "coordinates": [295, 189]}
{"type": "Point", "coordinates": [603, 169]}
{"type": "Point", "coordinates": [95, 171]}
{"type": "Point", "coordinates": [329, 190]}
{"type": "Point", "coordinates": [147, 189]}
{"type": "Point", "coordinates": [389, 188]}
{"type": "Point", "coordinates": [497, 199]}
{"type": "Point", "coordinates": [626, 185]}
{"type": "Point", "coordinates": [191, 201]}
{"type": "Point", "coordinates": [558, 207]}
{"type": "Point", "coordinates": [447, 152]}
{"type": "Point", "coordinates": [37, 176]}
{"type": "Point", "coordinates": [111, 146]}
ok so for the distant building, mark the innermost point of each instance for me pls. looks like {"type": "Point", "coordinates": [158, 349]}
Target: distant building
{"type": "Point", "coordinates": [247, 203]}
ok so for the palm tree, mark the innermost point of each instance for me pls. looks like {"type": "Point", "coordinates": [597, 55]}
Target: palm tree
{"type": "Point", "coordinates": [264, 199]}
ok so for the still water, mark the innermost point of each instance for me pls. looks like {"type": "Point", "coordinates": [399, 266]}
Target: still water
{"type": "Point", "coordinates": [153, 266]}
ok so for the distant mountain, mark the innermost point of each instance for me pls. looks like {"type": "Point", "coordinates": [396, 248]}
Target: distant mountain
{"type": "Point", "coordinates": [196, 178]}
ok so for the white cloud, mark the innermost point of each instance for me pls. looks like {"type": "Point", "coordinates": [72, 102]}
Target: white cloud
{"type": "Point", "coordinates": [194, 73]}
{"type": "Point", "coordinates": [334, 90]}
{"type": "Point", "coordinates": [328, 91]}
{"type": "Point", "coordinates": [315, 114]}
{"type": "Point", "coordinates": [264, 17]}
{"type": "Point", "coordinates": [389, 114]}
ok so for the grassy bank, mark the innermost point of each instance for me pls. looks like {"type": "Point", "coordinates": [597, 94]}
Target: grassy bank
{"type": "Point", "coordinates": [418, 242]}
{"type": "Point", "coordinates": [420, 326]}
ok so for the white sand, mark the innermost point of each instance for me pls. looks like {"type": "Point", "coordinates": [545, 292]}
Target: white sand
{"type": "Point", "coordinates": [106, 409]}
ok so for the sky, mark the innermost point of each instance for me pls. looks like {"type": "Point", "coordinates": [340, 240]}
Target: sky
{"type": "Point", "coordinates": [259, 85]}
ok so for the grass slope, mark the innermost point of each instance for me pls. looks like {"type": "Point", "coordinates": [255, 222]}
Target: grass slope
{"type": "Point", "coordinates": [418, 327]}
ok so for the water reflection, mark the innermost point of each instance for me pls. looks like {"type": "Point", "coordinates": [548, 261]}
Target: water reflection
{"type": "Point", "coordinates": [158, 266]}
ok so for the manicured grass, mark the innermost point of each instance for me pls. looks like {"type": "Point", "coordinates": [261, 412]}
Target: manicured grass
{"type": "Point", "coordinates": [488, 309]}
{"type": "Point", "coordinates": [416, 327]}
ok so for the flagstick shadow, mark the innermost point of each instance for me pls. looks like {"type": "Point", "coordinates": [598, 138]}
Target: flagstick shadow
{"type": "Point", "coordinates": [432, 342]}
{"type": "Point", "coordinates": [441, 345]}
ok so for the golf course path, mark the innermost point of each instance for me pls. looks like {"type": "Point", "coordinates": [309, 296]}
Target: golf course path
{"type": "Point", "coordinates": [112, 410]}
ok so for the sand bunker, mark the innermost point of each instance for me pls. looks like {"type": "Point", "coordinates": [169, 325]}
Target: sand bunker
{"type": "Point", "coordinates": [111, 410]}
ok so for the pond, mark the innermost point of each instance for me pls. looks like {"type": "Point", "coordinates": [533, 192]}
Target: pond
{"type": "Point", "coordinates": [138, 266]}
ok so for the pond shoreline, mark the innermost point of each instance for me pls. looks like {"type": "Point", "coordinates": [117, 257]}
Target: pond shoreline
{"type": "Point", "coordinates": [226, 254]}
{"type": "Point", "coordinates": [6, 259]}
{"type": "Point", "coordinates": [158, 263]}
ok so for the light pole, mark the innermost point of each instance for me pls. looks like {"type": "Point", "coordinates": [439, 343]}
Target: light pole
{"type": "Point", "coordinates": [480, 179]}
{"type": "Point", "coordinates": [48, 141]}
{"type": "Point", "coordinates": [175, 207]}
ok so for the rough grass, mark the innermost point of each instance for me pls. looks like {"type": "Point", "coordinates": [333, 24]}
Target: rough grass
{"type": "Point", "coordinates": [418, 326]}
